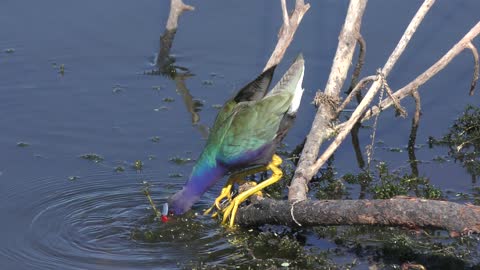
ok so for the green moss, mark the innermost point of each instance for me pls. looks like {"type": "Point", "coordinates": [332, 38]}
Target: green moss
{"type": "Point", "coordinates": [23, 144]}
{"type": "Point", "coordinates": [168, 99]}
{"type": "Point", "coordinates": [180, 160]}
{"type": "Point", "coordinates": [207, 82]}
{"type": "Point", "coordinates": [73, 178]}
{"type": "Point", "coordinates": [92, 157]}
{"type": "Point", "coordinates": [155, 139]}
{"type": "Point", "coordinates": [138, 165]}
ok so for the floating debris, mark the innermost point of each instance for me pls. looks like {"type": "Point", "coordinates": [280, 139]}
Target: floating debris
{"type": "Point", "coordinates": [158, 87]}
{"type": "Point", "coordinates": [118, 89]}
{"type": "Point", "coordinates": [394, 149]}
{"type": "Point", "coordinates": [23, 144]}
{"type": "Point", "coordinates": [138, 165]}
{"type": "Point", "coordinates": [168, 99]}
{"type": "Point", "coordinates": [62, 69]}
{"type": "Point", "coordinates": [73, 178]}
{"type": "Point", "coordinates": [152, 157]}
{"type": "Point", "coordinates": [155, 139]}
{"type": "Point", "coordinates": [217, 106]}
{"type": "Point", "coordinates": [9, 50]}
{"type": "Point", "coordinates": [207, 82]}
{"type": "Point", "coordinates": [180, 160]}
{"type": "Point", "coordinates": [162, 108]}
{"type": "Point", "coordinates": [119, 169]}
{"type": "Point", "coordinates": [175, 175]}
{"type": "Point", "coordinates": [92, 157]}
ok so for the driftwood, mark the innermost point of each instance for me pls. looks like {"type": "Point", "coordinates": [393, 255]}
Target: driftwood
{"type": "Point", "coordinates": [406, 212]}
{"type": "Point", "coordinates": [412, 213]}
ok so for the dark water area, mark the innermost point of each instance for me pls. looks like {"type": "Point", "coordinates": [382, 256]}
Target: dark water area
{"type": "Point", "coordinates": [74, 80]}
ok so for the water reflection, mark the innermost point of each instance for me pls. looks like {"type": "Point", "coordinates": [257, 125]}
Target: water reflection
{"type": "Point", "coordinates": [165, 66]}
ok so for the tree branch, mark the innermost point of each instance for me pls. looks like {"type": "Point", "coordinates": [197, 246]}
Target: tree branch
{"type": "Point", "coordinates": [177, 7]}
{"type": "Point", "coordinates": [405, 212]}
{"type": "Point", "coordinates": [299, 184]}
{"type": "Point", "coordinates": [325, 114]}
{"type": "Point", "coordinates": [476, 68]}
{"type": "Point", "coordinates": [428, 74]}
{"type": "Point", "coordinates": [287, 31]}
{"type": "Point", "coordinates": [413, 134]}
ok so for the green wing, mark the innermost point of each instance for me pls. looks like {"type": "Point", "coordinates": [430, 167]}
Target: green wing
{"type": "Point", "coordinates": [254, 90]}
{"type": "Point", "coordinates": [253, 125]}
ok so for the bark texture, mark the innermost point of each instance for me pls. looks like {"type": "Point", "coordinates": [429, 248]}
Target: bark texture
{"type": "Point", "coordinates": [325, 115]}
{"type": "Point", "coordinates": [405, 212]}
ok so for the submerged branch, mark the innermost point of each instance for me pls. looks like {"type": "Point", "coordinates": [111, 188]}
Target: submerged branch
{"type": "Point", "coordinates": [413, 134]}
{"type": "Point", "coordinates": [358, 67]}
{"type": "Point", "coordinates": [405, 212]}
{"type": "Point", "coordinates": [476, 67]}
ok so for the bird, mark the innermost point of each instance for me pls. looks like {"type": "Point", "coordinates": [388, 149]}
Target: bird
{"type": "Point", "coordinates": [243, 139]}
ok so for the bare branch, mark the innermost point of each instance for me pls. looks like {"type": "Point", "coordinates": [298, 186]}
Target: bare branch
{"type": "Point", "coordinates": [325, 115]}
{"type": "Point", "coordinates": [358, 87]}
{"type": "Point", "coordinates": [396, 103]}
{"type": "Point", "coordinates": [405, 212]}
{"type": "Point", "coordinates": [287, 31]}
{"type": "Point", "coordinates": [413, 134]}
{"type": "Point", "coordinates": [285, 13]}
{"type": "Point", "coordinates": [308, 173]}
{"type": "Point", "coordinates": [476, 68]}
{"type": "Point", "coordinates": [428, 74]}
{"type": "Point", "coordinates": [358, 67]}
{"type": "Point", "coordinates": [177, 7]}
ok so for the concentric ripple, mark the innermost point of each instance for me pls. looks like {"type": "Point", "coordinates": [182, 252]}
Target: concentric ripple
{"type": "Point", "coordinates": [99, 222]}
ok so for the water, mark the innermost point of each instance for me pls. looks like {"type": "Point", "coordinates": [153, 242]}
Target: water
{"type": "Point", "coordinates": [60, 211]}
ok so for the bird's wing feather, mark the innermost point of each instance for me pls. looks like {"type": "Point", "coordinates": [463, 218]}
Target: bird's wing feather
{"type": "Point", "coordinates": [255, 90]}
{"type": "Point", "coordinates": [253, 125]}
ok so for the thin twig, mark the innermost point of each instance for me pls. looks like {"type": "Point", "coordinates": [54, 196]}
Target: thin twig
{"type": "Point", "coordinates": [358, 67]}
{"type": "Point", "coordinates": [428, 74]}
{"type": "Point", "coordinates": [146, 191]}
{"type": "Point", "coordinates": [371, 147]}
{"type": "Point", "coordinates": [413, 134]}
{"type": "Point", "coordinates": [287, 31]}
{"type": "Point", "coordinates": [400, 110]}
{"type": "Point", "coordinates": [358, 87]}
{"type": "Point", "coordinates": [476, 68]}
{"type": "Point", "coordinates": [285, 13]}
{"type": "Point", "coordinates": [177, 7]}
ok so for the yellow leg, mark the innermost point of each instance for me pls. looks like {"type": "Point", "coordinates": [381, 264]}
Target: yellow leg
{"type": "Point", "coordinates": [231, 210]}
{"type": "Point", "coordinates": [227, 189]}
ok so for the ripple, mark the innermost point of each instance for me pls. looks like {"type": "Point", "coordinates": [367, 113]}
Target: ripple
{"type": "Point", "coordinates": [99, 222]}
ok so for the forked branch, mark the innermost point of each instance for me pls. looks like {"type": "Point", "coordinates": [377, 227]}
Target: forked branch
{"type": "Point", "coordinates": [177, 7]}
{"type": "Point", "coordinates": [428, 74]}
{"type": "Point", "coordinates": [287, 31]}
{"type": "Point", "coordinates": [298, 189]}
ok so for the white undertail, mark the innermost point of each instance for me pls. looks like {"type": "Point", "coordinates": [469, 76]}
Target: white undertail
{"type": "Point", "coordinates": [297, 96]}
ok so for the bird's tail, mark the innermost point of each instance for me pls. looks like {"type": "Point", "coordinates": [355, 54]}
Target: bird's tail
{"type": "Point", "coordinates": [292, 82]}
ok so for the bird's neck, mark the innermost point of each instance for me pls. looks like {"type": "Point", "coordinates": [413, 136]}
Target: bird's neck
{"type": "Point", "coordinates": [204, 175]}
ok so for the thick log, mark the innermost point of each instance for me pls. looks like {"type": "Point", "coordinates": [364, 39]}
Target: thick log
{"type": "Point", "coordinates": [412, 213]}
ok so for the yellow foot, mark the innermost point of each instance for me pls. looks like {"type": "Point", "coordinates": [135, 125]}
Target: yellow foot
{"type": "Point", "coordinates": [226, 193]}
{"type": "Point", "coordinates": [230, 211]}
